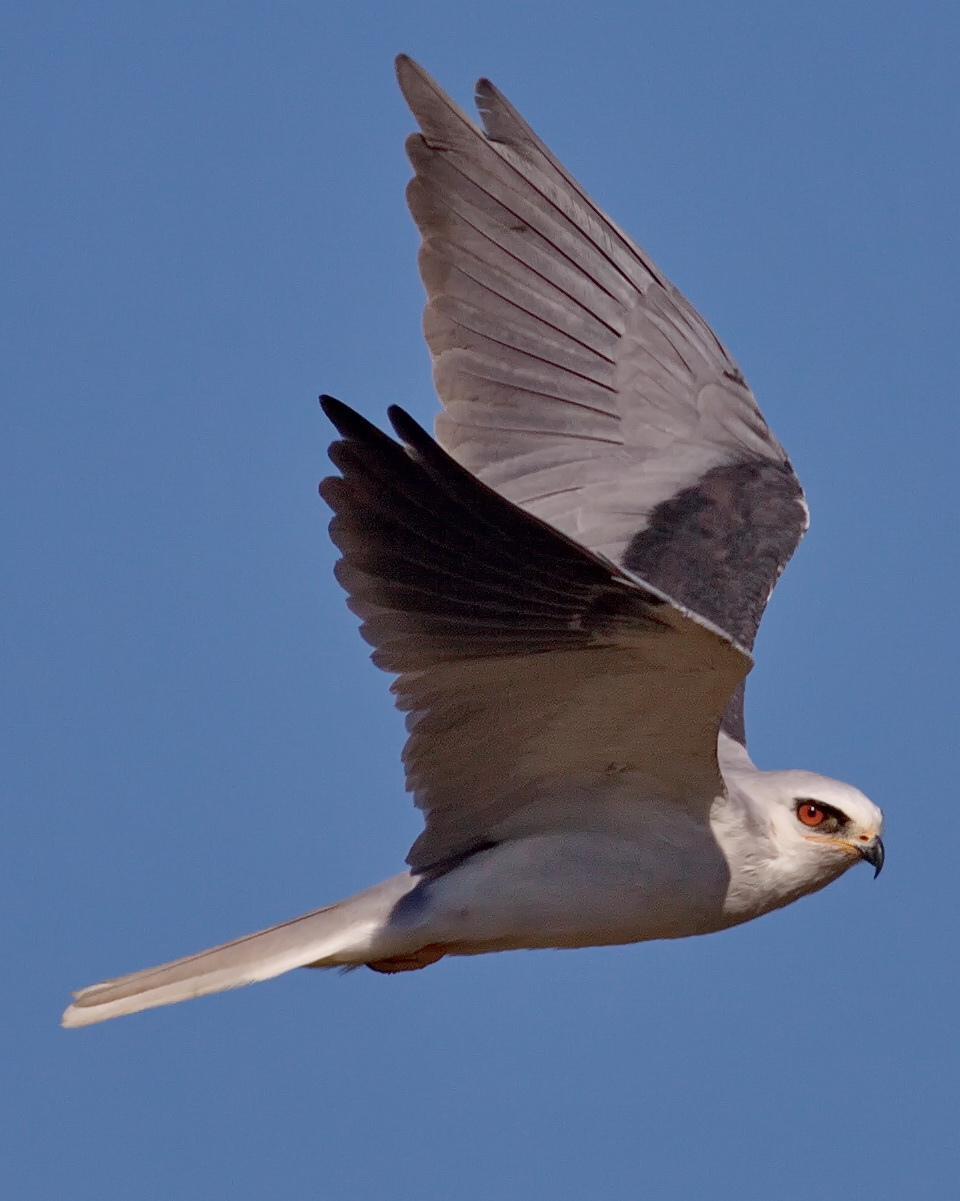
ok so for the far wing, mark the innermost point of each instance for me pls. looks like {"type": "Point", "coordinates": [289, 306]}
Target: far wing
{"type": "Point", "coordinates": [531, 668]}
{"type": "Point", "coordinates": [578, 382]}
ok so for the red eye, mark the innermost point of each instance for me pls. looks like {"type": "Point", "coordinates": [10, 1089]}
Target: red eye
{"type": "Point", "coordinates": [811, 814]}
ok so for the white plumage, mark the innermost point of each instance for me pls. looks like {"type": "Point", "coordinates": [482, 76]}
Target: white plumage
{"type": "Point", "coordinates": [567, 586]}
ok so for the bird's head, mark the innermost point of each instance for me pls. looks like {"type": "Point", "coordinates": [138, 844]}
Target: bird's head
{"type": "Point", "coordinates": [823, 825]}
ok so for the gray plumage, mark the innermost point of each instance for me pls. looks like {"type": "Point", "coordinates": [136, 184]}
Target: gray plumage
{"type": "Point", "coordinates": [567, 585]}
{"type": "Point", "coordinates": [576, 379]}
{"type": "Point", "coordinates": [498, 625]}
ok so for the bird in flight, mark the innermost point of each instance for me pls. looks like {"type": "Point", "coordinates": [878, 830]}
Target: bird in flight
{"type": "Point", "coordinates": [566, 583]}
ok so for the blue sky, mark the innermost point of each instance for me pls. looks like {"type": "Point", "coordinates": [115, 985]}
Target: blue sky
{"type": "Point", "coordinates": [205, 228]}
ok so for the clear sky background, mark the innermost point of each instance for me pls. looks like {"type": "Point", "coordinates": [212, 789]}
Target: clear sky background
{"type": "Point", "coordinates": [205, 227]}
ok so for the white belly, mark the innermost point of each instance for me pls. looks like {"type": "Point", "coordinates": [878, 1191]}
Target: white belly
{"type": "Point", "coordinates": [567, 889]}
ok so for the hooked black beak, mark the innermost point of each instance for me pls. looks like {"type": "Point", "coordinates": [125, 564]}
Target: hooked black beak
{"type": "Point", "coordinates": [873, 853]}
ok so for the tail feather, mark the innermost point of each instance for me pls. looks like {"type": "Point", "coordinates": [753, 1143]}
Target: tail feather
{"type": "Point", "coordinates": [342, 933]}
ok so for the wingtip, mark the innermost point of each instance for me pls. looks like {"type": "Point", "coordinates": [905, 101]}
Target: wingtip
{"type": "Point", "coordinates": [351, 426]}
{"type": "Point", "coordinates": [346, 420]}
{"type": "Point", "coordinates": [330, 405]}
{"type": "Point", "coordinates": [442, 121]}
{"type": "Point", "coordinates": [409, 75]}
{"type": "Point", "coordinates": [407, 430]}
{"type": "Point", "coordinates": [350, 423]}
{"type": "Point", "coordinates": [336, 412]}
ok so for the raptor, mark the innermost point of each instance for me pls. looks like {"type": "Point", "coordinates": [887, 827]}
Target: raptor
{"type": "Point", "coordinates": [566, 583]}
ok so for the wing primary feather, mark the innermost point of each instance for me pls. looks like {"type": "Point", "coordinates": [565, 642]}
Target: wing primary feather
{"type": "Point", "coordinates": [440, 566]}
{"type": "Point", "coordinates": [520, 653]}
{"type": "Point", "coordinates": [578, 381]}
{"type": "Point", "coordinates": [408, 501]}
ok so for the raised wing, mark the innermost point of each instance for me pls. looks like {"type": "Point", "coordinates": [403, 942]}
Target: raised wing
{"type": "Point", "coordinates": [532, 670]}
{"type": "Point", "coordinates": [578, 382]}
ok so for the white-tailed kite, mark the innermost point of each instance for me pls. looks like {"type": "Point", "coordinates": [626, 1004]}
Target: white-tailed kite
{"type": "Point", "coordinates": [566, 584]}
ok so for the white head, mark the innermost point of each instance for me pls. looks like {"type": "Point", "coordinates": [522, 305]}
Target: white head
{"type": "Point", "coordinates": [820, 826]}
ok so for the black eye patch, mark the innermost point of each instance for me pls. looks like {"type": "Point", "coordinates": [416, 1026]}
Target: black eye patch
{"type": "Point", "coordinates": [832, 820]}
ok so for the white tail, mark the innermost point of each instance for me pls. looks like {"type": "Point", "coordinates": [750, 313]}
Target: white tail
{"type": "Point", "coordinates": [339, 934]}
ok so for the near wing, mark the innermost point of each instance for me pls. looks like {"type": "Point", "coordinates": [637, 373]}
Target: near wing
{"type": "Point", "coordinates": [531, 668]}
{"type": "Point", "coordinates": [578, 382]}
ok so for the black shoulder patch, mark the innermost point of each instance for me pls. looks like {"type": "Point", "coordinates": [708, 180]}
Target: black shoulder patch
{"type": "Point", "coordinates": [719, 547]}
